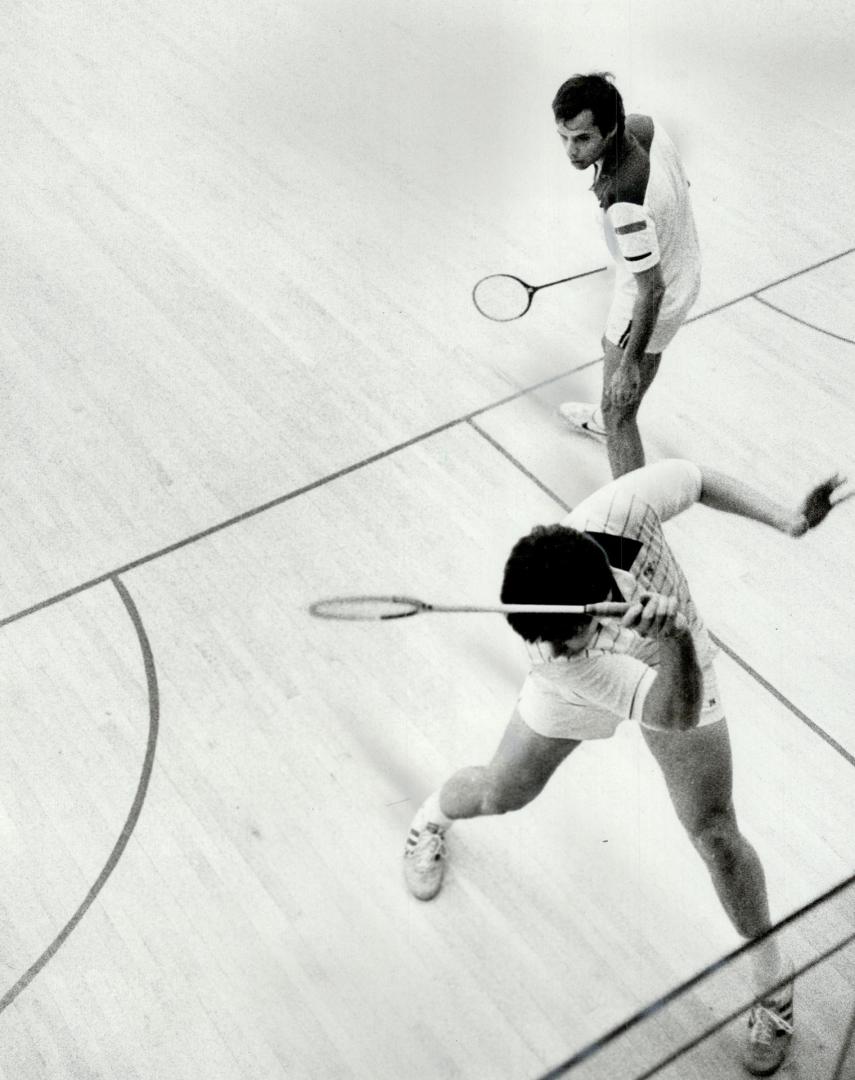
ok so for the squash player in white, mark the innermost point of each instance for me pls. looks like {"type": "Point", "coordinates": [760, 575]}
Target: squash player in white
{"type": "Point", "coordinates": [655, 668]}
{"type": "Point", "coordinates": [649, 228]}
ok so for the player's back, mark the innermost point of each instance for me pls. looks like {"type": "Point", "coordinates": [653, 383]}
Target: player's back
{"type": "Point", "coordinates": [625, 517]}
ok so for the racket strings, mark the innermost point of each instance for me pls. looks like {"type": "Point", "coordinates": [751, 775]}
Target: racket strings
{"type": "Point", "coordinates": [502, 297]}
{"type": "Point", "coordinates": [366, 607]}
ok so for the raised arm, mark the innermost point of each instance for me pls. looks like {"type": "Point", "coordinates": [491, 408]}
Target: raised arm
{"type": "Point", "coordinates": [723, 492]}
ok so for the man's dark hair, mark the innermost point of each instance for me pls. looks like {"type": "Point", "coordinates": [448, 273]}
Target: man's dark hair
{"type": "Point", "coordinates": [554, 564]}
{"type": "Point", "coordinates": [596, 92]}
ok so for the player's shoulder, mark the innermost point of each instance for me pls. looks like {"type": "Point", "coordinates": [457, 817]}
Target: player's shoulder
{"type": "Point", "coordinates": [643, 128]}
{"type": "Point", "coordinates": [629, 183]}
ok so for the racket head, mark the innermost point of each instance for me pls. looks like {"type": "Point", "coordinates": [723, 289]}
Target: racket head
{"type": "Point", "coordinates": [502, 297]}
{"type": "Point", "coordinates": [367, 608]}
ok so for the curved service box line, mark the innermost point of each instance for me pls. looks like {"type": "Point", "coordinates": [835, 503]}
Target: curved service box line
{"type": "Point", "coordinates": [133, 813]}
{"type": "Point", "coordinates": [797, 318]}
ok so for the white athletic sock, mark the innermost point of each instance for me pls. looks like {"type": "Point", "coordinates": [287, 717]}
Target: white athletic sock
{"type": "Point", "coordinates": [768, 967]}
{"type": "Point", "coordinates": [429, 813]}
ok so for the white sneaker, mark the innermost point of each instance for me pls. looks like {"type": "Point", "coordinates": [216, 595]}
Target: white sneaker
{"type": "Point", "coordinates": [770, 1031]}
{"type": "Point", "coordinates": [581, 416]}
{"type": "Point", "coordinates": [424, 861]}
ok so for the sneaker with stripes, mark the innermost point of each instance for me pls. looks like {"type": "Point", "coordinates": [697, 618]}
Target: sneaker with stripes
{"type": "Point", "coordinates": [424, 861]}
{"type": "Point", "coordinates": [582, 416]}
{"type": "Point", "coordinates": [770, 1031]}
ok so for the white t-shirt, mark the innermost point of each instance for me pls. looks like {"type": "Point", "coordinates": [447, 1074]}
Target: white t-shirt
{"type": "Point", "coordinates": [659, 230]}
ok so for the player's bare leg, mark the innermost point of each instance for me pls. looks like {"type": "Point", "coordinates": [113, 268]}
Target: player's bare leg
{"type": "Point", "coordinates": [517, 773]}
{"type": "Point", "coordinates": [697, 768]}
{"type": "Point", "coordinates": [623, 440]}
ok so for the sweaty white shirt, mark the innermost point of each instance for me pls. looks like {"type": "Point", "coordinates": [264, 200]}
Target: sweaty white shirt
{"type": "Point", "coordinates": [659, 230]}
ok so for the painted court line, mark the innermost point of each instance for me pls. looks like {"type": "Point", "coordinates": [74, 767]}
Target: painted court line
{"type": "Point", "coordinates": [133, 814]}
{"type": "Point", "coordinates": [245, 515]}
{"type": "Point", "coordinates": [519, 465]}
{"type": "Point", "coordinates": [804, 322]}
{"type": "Point", "coordinates": [771, 285]}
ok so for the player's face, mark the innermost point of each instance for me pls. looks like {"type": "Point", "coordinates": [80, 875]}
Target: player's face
{"type": "Point", "coordinates": [583, 141]}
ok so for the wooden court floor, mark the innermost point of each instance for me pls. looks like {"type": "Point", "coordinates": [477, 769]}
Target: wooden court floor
{"type": "Point", "coordinates": [241, 370]}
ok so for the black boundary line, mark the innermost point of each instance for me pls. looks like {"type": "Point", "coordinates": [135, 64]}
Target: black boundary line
{"type": "Point", "coordinates": [804, 322]}
{"type": "Point", "coordinates": [281, 499]}
{"type": "Point", "coordinates": [737, 659]}
{"type": "Point", "coordinates": [794, 709]}
{"type": "Point", "coordinates": [519, 465]}
{"type": "Point", "coordinates": [649, 1010]}
{"type": "Point", "coordinates": [780, 281]}
{"type": "Point", "coordinates": [133, 814]}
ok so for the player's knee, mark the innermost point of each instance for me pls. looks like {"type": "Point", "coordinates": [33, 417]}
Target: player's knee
{"type": "Point", "coordinates": [717, 838]}
{"type": "Point", "coordinates": [616, 416]}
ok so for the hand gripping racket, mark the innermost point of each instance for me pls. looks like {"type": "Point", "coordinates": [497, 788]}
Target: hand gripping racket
{"type": "Point", "coordinates": [504, 297]}
{"type": "Point", "coordinates": [400, 607]}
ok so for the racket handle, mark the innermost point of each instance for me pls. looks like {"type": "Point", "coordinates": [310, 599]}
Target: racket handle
{"type": "Point", "coordinates": [607, 609]}
{"type": "Point", "coordinates": [614, 609]}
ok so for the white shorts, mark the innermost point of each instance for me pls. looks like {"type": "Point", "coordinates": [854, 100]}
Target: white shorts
{"type": "Point", "coordinates": [597, 723]}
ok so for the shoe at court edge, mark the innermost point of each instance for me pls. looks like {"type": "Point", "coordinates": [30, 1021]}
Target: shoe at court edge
{"type": "Point", "coordinates": [770, 1031]}
{"type": "Point", "coordinates": [424, 861]}
{"type": "Point", "coordinates": [581, 416]}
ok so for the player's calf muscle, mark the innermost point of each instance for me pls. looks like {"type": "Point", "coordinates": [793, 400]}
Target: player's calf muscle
{"type": "Point", "coordinates": [476, 791]}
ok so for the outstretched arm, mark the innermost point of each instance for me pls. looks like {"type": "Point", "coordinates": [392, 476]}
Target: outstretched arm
{"type": "Point", "coordinates": [723, 492]}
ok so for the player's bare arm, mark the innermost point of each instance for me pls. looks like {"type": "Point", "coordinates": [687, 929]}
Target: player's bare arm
{"type": "Point", "coordinates": [624, 386]}
{"type": "Point", "coordinates": [726, 493]}
{"type": "Point", "coordinates": [674, 700]}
